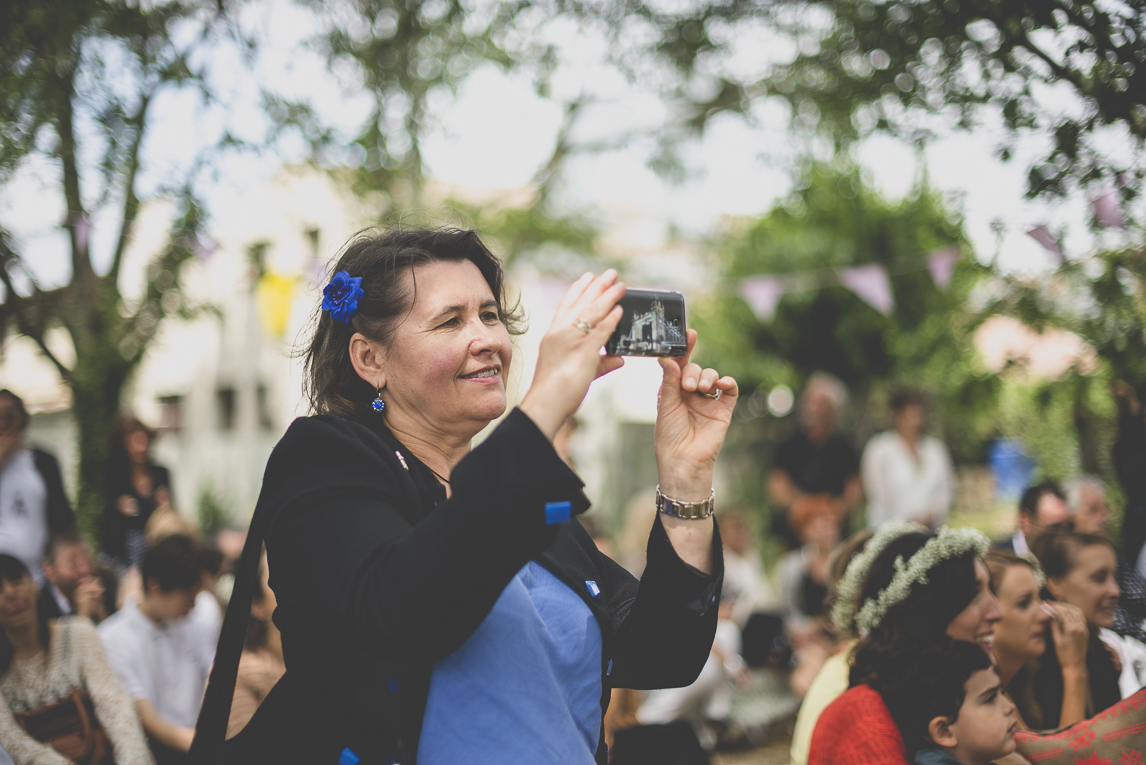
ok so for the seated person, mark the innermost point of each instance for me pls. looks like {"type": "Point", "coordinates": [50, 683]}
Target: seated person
{"type": "Point", "coordinates": [162, 657]}
{"type": "Point", "coordinates": [948, 702]}
{"type": "Point", "coordinates": [1081, 569]}
{"type": "Point", "coordinates": [815, 460]}
{"type": "Point", "coordinates": [1040, 506]}
{"type": "Point", "coordinates": [71, 585]}
{"type": "Point", "coordinates": [261, 665]}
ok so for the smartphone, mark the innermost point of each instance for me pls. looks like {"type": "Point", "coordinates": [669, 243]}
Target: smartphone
{"type": "Point", "coordinates": [653, 325]}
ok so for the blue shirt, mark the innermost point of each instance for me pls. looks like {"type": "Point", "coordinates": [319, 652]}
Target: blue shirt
{"type": "Point", "coordinates": [525, 687]}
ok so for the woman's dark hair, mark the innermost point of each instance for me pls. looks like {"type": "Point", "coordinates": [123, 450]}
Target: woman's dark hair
{"type": "Point", "coordinates": [381, 258]}
{"type": "Point", "coordinates": [21, 410]}
{"type": "Point", "coordinates": [922, 617]}
{"type": "Point", "coordinates": [1058, 545]}
{"type": "Point", "coordinates": [13, 570]}
{"type": "Point", "coordinates": [928, 682]}
{"type": "Point", "coordinates": [902, 398]}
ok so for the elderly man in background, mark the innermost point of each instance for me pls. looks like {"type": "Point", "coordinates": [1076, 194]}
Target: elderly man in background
{"type": "Point", "coordinates": [815, 461]}
{"type": "Point", "coordinates": [1086, 503]}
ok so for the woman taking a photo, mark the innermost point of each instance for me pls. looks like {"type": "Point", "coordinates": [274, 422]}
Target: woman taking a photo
{"type": "Point", "coordinates": [1028, 627]}
{"type": "Point", "coordinates": [436, 604]}
{"type": "Point", "coordinates": [54, 672]}
{"type": "Point", "coordinates": [1082, 570]}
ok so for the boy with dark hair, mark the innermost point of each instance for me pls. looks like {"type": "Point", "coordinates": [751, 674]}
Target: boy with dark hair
{"type": "Point", "coordinates": [162, 657]}
{"type": "Point", "coordinates": [948, 702]}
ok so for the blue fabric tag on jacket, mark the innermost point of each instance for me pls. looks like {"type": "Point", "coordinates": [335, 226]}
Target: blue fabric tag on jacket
{"type": "Point", "coordinates": [557, 512]}
{"type": "Point", "coordinates": [594, 590]}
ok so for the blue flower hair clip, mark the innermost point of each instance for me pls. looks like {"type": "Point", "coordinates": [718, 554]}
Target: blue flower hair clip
{"type": "Point", "coordinates": [340, 297]}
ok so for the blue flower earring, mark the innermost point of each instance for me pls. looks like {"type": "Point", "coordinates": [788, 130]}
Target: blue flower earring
{"type": "Point", "coordinates": [378, 404]}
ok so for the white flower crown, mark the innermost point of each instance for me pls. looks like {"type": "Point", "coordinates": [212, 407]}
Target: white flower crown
{"type": "Point", "coordinates": [851, 583]}
{"type": "Point", "coordinates": [947, 543]}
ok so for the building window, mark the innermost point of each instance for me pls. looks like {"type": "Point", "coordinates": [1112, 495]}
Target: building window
{"type": "Point", "coordinates": [225, 401]}
{"type": "Point", "coordinates": [171, 413]}
{"type": "Point", "coordinates": [263, 402]}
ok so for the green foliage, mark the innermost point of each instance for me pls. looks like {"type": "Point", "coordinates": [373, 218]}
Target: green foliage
{"type": "Point", "coordinates": [78, 82]}
{"type": "Point", "coordinates": [836, 221]}
{"type": "Point", "coordinates": [400, 54]}
{"type": "Point", "coordinates": [213, 515]}
{"type": "Point", "coordinates": [848, 67]}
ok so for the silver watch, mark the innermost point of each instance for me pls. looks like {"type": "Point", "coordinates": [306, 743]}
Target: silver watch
{"type": "Point", "coordinates": [690, 511]}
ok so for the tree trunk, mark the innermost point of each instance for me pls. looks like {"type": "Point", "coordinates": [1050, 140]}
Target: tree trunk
{"type": "Point", "coordinates": [96, 388]}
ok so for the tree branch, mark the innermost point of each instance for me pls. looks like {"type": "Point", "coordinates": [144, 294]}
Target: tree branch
{"type": "Point", "coordinates": [130, 200]}
{"type": "Point", "coordinates": [81, 262]}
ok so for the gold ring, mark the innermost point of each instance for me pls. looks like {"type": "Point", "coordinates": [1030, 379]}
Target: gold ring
{"type": "Point", "coordinates": [714, 396]}
{"type": "Point", "coordinates": [583, 325]}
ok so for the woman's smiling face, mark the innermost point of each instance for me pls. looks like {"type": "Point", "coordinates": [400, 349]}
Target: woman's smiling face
{"type": "Point", "coordinates": [976, 622]}
{"type": "Point", "coordinates": [1022, 632]}
{"type": "Point", "coordinates": [1091, 584]}
{"type": "Point", "coordinates": [446, 363]}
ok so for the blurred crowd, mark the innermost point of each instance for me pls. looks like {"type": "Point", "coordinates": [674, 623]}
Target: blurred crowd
{"type": "Point", "coordinates": [1070, 625]}
{"type": "Point", "coordinates": [105, 658]}
{"type": "Point", "coordinates": [127, 638]}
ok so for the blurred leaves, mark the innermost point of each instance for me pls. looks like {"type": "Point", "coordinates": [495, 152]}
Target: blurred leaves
{"type": "Point", "coordinates": [1071, 71]}
{"type": "Point", "coordinates": [834, 221]}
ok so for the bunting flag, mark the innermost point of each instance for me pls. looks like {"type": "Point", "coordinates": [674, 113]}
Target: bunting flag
{"type": "Point", "coordinates": [762, 293]}
{"type": "Point", "coordinates": [1106, 210]}
{"type": "Point", "coordinates": [941, 264]}
{"type": "Point", "coordinates": [275, 295]}
{"type": "Point", "coordinates": [204, 248]}
{"type": "Point", "coordinates": [870, 283]}
{"type": "Point", "coordinates": [1044, 237]}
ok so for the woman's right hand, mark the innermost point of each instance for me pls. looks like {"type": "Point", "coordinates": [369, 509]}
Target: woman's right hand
{"type": "Point", "coordinates": [569, 358]}
{"type": "Point", "coordinates": [1070, 633]}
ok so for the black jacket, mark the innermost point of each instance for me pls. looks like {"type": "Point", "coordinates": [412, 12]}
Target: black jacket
{"type": "Point", "coordinates": [378, 575]}
{"type": "Point", "coordinates": [58, 511]}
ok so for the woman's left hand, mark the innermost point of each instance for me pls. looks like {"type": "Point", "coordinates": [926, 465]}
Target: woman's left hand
{"type": "Point", "coordinates": [691, 425]}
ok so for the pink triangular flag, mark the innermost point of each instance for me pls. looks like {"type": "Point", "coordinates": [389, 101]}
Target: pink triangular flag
{"type": "Point", "coordinates": [762, 293]}
{"type": "Point", "coordinates": [1106, 210]}
{"type": "Point", "coordinates": [871, 284]}
{"type": "Point", "coordinates": [1044, 237]}
{"type": "Point", "coordinates": [941, 264]}
{"type": "Point", "coordinates": [205, 247]}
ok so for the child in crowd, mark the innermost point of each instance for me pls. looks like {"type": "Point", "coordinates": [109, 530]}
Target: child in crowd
{"type": "Point", "coordinates": [163, 657]}
{"type": "Point", "coordinates": [948, 702]}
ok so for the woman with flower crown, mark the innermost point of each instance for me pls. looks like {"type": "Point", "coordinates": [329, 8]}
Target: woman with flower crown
{"type": "Point", "coordinates": [908, 587]}
{"type": "Point", "coordinates": [436, 603]}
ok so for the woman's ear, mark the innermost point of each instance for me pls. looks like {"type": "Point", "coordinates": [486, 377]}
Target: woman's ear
{"type": "Point", "coordinates": [367, 357]}
{"type": "Point", "coordinates": [1054, 587]}
{"type": "Point", "coordinates": [939, 729]}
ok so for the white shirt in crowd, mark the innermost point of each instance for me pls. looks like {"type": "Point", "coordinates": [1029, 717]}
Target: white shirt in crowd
{"type": "Point", "coordinates": [167, 664]}
{"type": "Point", "coordinates": [23, 512]}
{"type": "Point", "coordinates": [906, 486]}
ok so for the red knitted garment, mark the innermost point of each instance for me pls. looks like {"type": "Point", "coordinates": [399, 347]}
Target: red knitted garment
{"type": "Point", "coordinates": [1116, 736]}
{"type": "Point", "coordinates": [857, 729]}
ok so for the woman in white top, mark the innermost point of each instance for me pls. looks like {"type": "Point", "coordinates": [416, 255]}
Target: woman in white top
{"type": "Point", "coordinates": [907, 474]}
